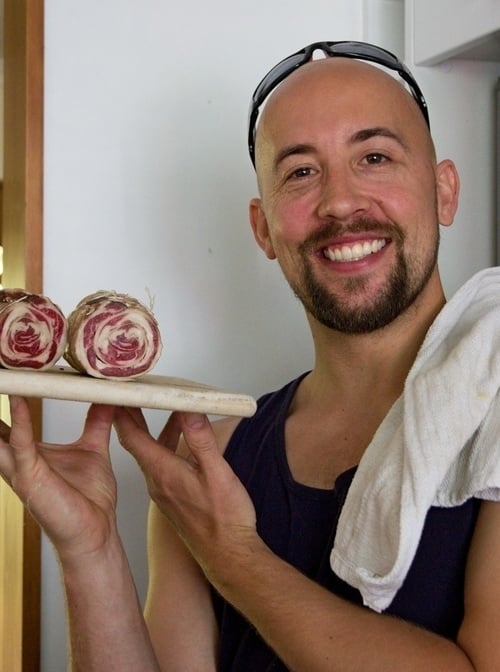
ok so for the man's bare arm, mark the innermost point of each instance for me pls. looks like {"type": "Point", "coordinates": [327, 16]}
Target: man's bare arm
{"type": "Point", "coordinates": [178, 611]}
{"type": "Point", "coordinates": [71, 491]}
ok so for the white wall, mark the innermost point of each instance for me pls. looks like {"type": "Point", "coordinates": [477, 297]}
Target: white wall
{"type": "Point", "coordinates": [460, 94]}
{"type": "Point", "coordinates": [146, 188]}
{"type": "Point", "coordinates": [147, 182]}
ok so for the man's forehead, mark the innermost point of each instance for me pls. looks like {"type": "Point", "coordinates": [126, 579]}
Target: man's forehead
{"type": "Point", "coordinates": [325, 81]}
{"type": "Point", "coordinates": [364, 95]}
{"type": "Point", "coordinates": [346, 74]}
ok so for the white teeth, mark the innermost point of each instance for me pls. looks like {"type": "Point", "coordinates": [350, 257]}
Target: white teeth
{"type": "Point", "coordinates": [347, 253]}
{"type": "Point", "coordinates": [354, 252]}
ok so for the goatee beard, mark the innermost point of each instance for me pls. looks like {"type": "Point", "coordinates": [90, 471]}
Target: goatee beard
{"type": "Point", "coordinates": [400, 291]}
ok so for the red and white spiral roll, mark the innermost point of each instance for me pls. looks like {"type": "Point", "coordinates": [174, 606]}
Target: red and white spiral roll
{"type": "Point", "coordinates": [33, 330]}
{"type": "Point", "coordinates": [112, 335]}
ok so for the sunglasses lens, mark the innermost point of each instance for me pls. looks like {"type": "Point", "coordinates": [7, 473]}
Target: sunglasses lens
{"type": "Point", "coordinates": [361, 50]}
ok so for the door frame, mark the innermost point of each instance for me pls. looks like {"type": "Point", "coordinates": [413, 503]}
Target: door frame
{"type": "Point", "coordinates": [22, 240]}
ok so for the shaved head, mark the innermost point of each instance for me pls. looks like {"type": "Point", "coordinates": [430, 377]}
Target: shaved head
{"type": "Point", "coordinates": [351, 195]}
{"type": "Point", "coordinates": [340, 87]}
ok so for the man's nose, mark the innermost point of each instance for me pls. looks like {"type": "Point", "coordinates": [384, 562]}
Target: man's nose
{"type": "Point", "coordinates": [342, 195]}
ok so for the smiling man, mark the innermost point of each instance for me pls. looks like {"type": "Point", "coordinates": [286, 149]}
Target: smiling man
{"type": "Point", "coordinates": [245, 514]}
{"type": "Point", "coordinates": [355, 167]}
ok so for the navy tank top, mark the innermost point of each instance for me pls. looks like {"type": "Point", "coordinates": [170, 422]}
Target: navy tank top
{"type": "Point", "coordinates": [298, 523]}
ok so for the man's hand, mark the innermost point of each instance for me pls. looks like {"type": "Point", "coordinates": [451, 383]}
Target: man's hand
{"type": "Point", "coordinates": [69, 489]}
{"type": "Point", "coordinates": [191, 482]}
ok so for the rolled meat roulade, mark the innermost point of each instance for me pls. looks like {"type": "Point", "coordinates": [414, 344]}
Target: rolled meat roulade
{"type": "Point", "coordinates": [33, 330]}
{"type": "Point", "coordinates": [112, 335]}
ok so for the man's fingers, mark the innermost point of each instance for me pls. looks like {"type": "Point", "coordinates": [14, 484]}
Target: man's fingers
{"type": "Point", "coordinates": [98, 424]}
{"type": "Point", "coordinates": [19, 459]}
{"type": "Point", "coordinates": [200, 439]}
{"type": "Point", "coordinates": [138, 417]}
{"type": "Point", "coordinates": [21, 434]}
{"type": "Point", "coordinates": [134, 438]}
{"type": "Point", "coordinates": [160, 465]}
{"type": "Point", "coordinates": [170, 434]}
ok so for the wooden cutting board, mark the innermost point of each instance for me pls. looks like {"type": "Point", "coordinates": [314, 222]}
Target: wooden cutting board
{"type": "Point", "coordinates": [148, 391]}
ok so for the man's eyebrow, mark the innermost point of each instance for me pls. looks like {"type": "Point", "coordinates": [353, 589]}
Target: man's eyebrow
{"type": "Point", "coordinates": [357, 137]}
{"type": "Point", "coordinates": [290, 150]}
{"type": "Point", "coordinates": [377, 131]}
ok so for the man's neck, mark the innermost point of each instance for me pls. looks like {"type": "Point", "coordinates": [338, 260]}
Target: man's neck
{"type": "Point", "coordinates": [362, 366]}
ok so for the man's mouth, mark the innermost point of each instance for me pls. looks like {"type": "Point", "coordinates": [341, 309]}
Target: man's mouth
{"type": "Point", "coordinates": [355, 251]}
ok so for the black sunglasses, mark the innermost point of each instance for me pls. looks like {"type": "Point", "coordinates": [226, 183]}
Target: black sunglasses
{"type": "Point", "coordinates": [359, 50]}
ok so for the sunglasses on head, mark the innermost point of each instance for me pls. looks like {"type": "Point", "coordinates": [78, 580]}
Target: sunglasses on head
{"type": "Point", "coordinates": [358, 50]}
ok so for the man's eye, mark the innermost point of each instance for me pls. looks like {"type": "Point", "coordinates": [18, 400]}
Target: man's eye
{"type": "Point", "coordinates": [300, 172]}
{"type": "Point", "coordinates": [375, 158]}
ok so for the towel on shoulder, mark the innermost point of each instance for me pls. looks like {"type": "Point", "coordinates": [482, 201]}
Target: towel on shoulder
{"type": "Point", "coordinates": [439, 445]}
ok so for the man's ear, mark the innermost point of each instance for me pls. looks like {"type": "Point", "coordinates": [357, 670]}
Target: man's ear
{"type": "Point", "coordinates": [448, 188]}
{"type": "Point", "coordinates": [260, 228]}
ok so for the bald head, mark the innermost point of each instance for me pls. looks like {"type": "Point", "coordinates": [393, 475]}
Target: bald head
{"type": "Point", "coordinates": [336, 93]}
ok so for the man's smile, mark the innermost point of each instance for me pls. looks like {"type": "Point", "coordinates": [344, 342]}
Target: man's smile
{"type": "Point", "coordinates": [355, 251]}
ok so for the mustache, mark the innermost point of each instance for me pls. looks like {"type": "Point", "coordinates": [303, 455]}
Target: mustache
{"type": "Point", "coordinates": [333, 229]}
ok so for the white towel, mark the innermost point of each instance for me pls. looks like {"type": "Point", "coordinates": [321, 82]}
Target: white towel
{"type": "Point", "coordinates": [438, 445]}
